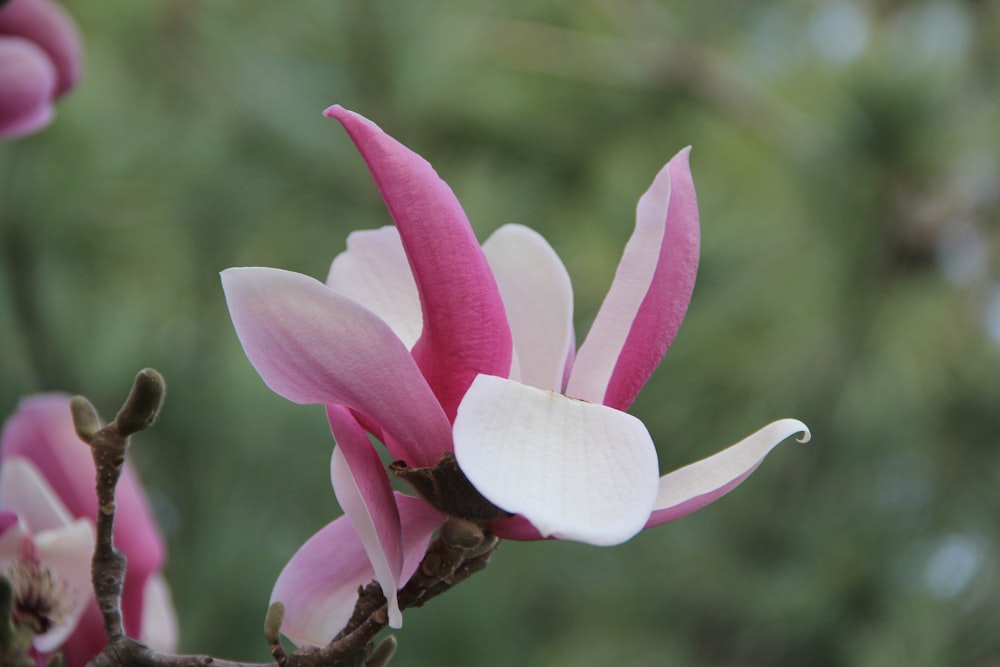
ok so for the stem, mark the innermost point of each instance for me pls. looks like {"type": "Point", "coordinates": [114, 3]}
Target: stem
{"type": "Point", "coordinates": [108, 446]}
{"type": "Point", "coordinates": [461, 549]}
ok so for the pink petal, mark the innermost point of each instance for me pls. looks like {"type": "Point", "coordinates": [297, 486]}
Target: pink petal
{"type": "Point", "coordinates": [159, 619]}
{"type": "Point", "coordinates": [88, 639]}
{"type": "Point", "coordinates": [375, 273]}
{"type": "Point", "coordinates": [49, 26]}
{"type": "Point", "coordinates": [692, 487]}
{"type": "Point", "coordinates": [42, 431]}
{"type": "Point", "coordinates": [538, 299]}
{"type": "Point", "coordinates": [465, 331]}
{"type": "Point", "coordinates": [363, 491]}
{"type": "Point", "coordinates": [67, 552]}
{"type": "Point", "coordinates": [313, 345]}
{"type": "Point", "coordinates": [420, 521]}
{"type": "Point", "coordinates": [27, 85]}
{"type": "Point", "coordinates": [9, 525]}
{"type": "Point", "coordinates": [319, 586]}
{"type": "Point", "coordinates": [575, 470]}
{"type": "Point", "coordinates": [650, 294]}
{"type": "Point", "coordinates": [515, 528]}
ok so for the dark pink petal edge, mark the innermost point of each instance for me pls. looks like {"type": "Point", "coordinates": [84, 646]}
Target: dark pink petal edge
{"type": "Point", "coordinates": [465, 329]}
{"type": "Point", "coordinates": [666, 301]}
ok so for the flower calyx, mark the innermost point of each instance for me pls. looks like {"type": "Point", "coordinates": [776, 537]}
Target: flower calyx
{"type": "Point", "coordinates": [448, 490]}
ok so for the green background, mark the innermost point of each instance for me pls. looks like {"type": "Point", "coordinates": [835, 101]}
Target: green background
{"type": "Point", "coordinates": [846, 160]}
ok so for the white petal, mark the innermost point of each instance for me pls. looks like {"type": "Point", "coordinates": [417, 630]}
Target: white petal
{"type": "Point", "coordinates": [67, 551]}
{"type": "Point", "coordinates": [374, 272]}
{"type": "Point", "coordinates": [692, 487]}
{"type": "Point", "coordinates": [386, 559]}
{"type": "Point", "coordinates": [575, 470]}
{"type": "Point", "coordinates": [159, 619]}
{"type": "Point", "coordinates": [538, 298]}
{"type": "Point", "coordinates": [25, 492]}
{"type": "Point", "coordinates": [11, 537]}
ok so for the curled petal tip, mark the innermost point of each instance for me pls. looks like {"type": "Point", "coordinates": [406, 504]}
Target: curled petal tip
{"type": "Point", "coordinates": [692, 487]}
{"type": "Point", "coordinates": [790, 427]}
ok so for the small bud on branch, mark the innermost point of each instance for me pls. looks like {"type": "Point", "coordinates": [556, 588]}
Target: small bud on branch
{"type": "Point", "coordinates": [383, 652]}
{"type": "Point", "coordinates": [272, 632]}
{"type": "Point", "coordinates": [85, 418]}
{"type": "Point", "coordinates": [143, 404]}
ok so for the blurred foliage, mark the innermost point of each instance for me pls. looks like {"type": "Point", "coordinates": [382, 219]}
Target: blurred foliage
{"type": "Point", "coordinates": [846, 158]}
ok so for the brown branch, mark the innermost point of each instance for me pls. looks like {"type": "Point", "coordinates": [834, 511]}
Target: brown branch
{"type": "Point", "coordinates": [461, 549]}
{"type": "Point", "coordinates": [108, 446]}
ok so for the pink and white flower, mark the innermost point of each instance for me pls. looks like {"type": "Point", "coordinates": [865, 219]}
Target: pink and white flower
{"type": "Point", "coordinates": [41, 437]}
{"type": "Point", "coordinates": [437, 345]}
{"type": "Point", "coordinates": [44, 553]}
{"type": "Point", "coordinates": [41, 57]}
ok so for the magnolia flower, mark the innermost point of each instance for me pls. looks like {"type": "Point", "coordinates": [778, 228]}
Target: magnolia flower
{"type": "Point", "coordinates": [41, 433]}
{"type": "Point", "coordinates": [439, 346]}
{"type": "Point", "coordinates": [44, 553]}
{"type": "Point", "coordinates": [41, 56]}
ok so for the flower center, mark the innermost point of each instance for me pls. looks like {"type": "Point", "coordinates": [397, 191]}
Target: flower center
{"type": "Point", "coordinates": [39, 596]}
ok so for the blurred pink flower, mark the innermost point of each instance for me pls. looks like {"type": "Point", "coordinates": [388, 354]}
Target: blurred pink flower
{"type": "Point", "coordinates": [435, 345]}
{"type": "Point", "coordinates": [41, 433]}
{"type": "Point", "coordinates": [41, 57]}
{"type": "Point", "coordinates": [45, 554]}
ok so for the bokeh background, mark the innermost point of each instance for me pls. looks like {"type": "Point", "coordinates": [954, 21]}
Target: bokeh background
{"type": "Point", "coordinates": [846, 160]}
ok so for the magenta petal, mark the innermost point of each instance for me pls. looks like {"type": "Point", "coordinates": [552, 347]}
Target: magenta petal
{"type": "Point", "coordinates": [465, 330]}
{"type": "Point", "coordinates": [649, 296]}
{"type": "Point", "coordinates": [515, 528]}
{"type": "Point", "coordinates": [311, 344]}
{"type": "Point", "coordinates": [87, 639]}
{"type": "Point", "coordinates": [42, 431]}
{"type": "Point", "coordinates": [692, 487]}
{"type": "Point", "coordinates": [363, 491]}
{"type": "Point", "coordinates": [49, 26]}
{"type": "Point", "coordinates": [27, 84]}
